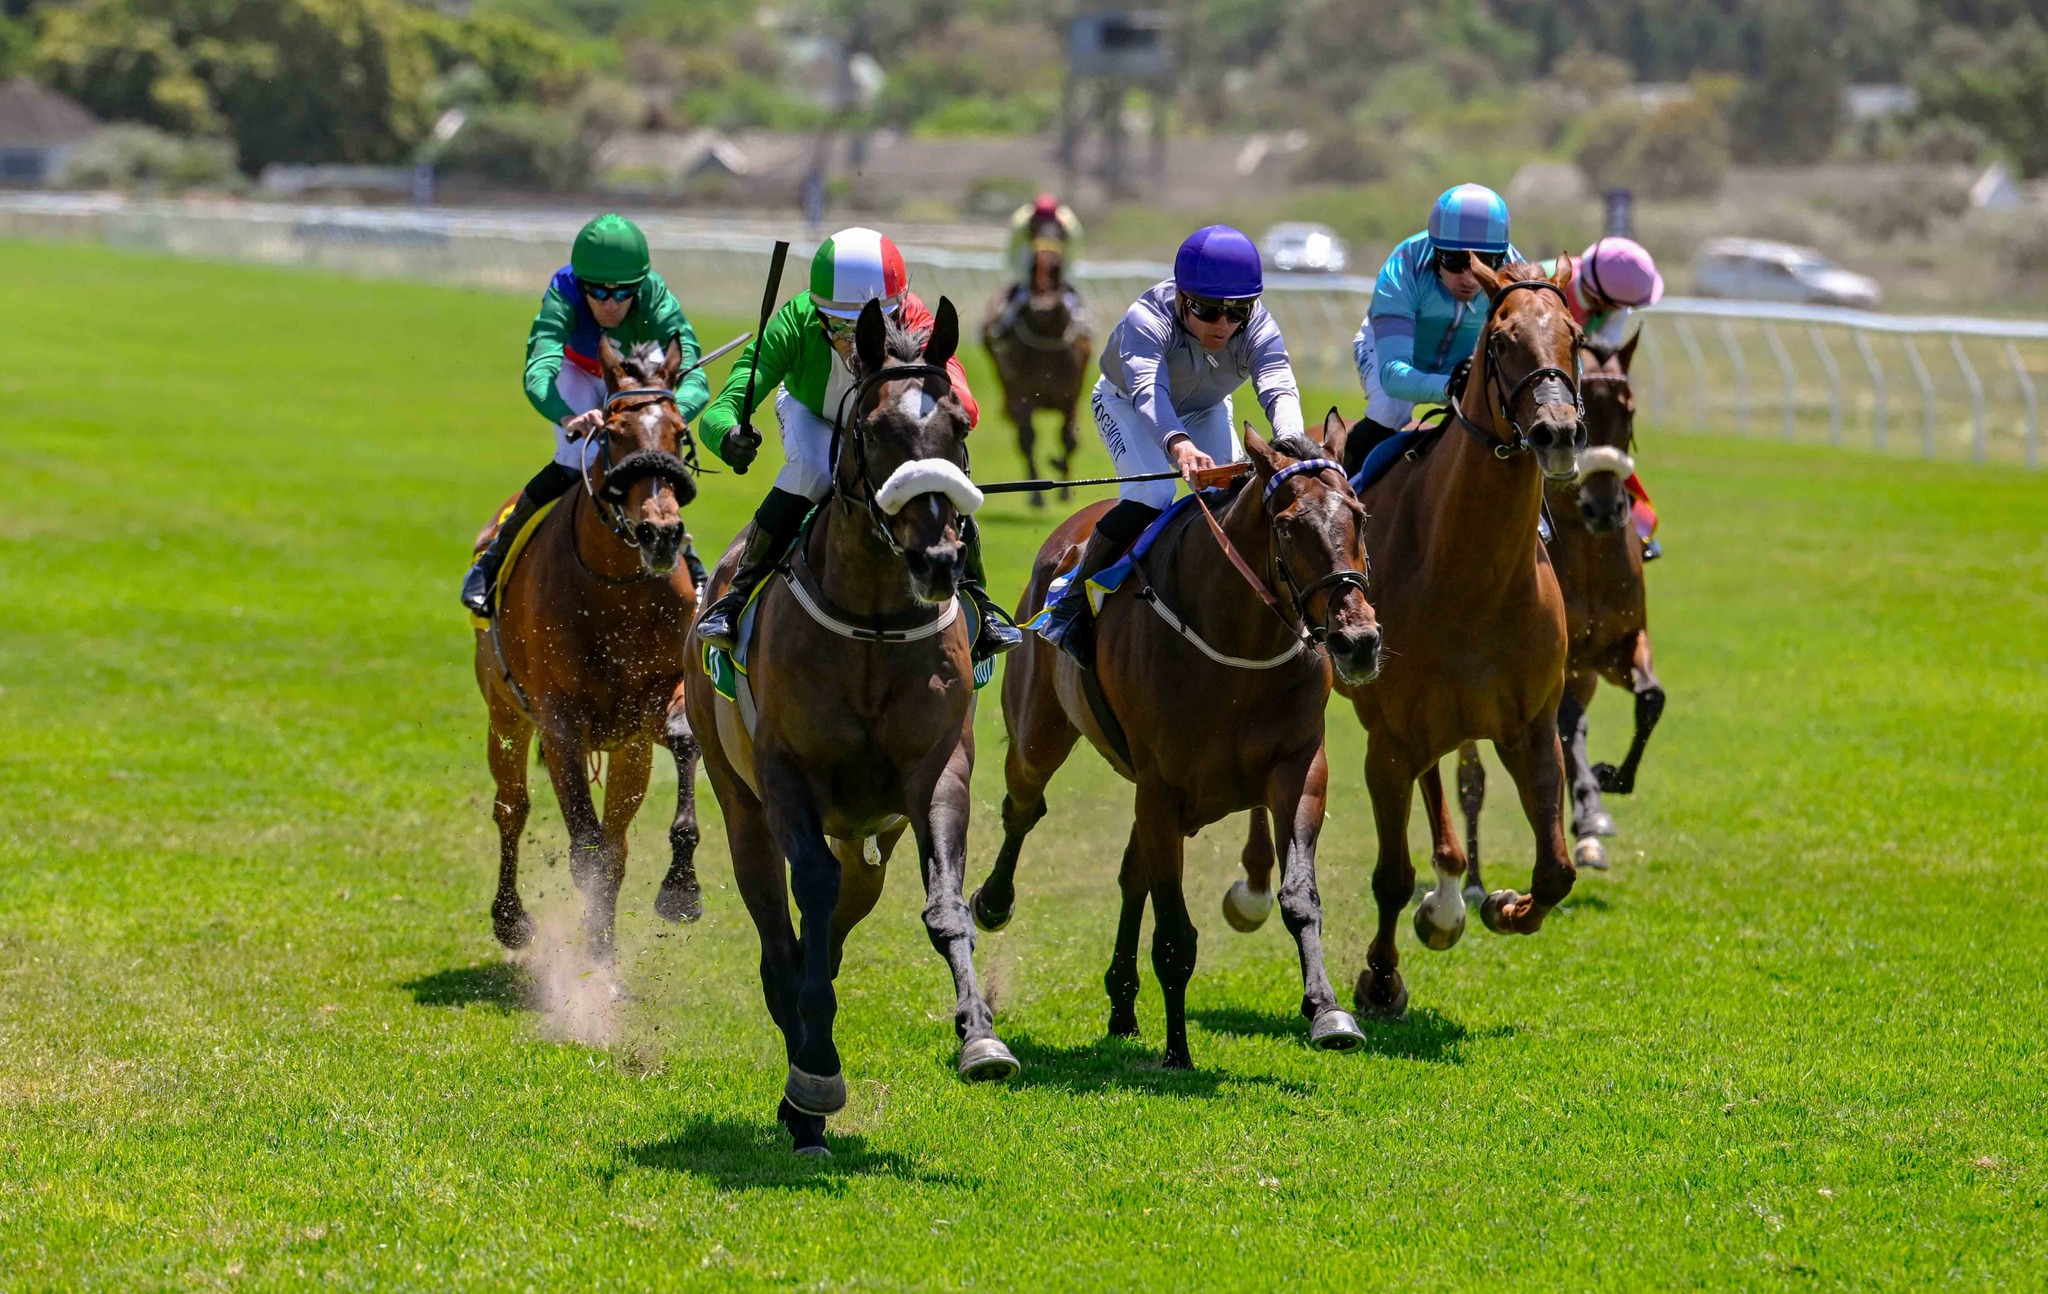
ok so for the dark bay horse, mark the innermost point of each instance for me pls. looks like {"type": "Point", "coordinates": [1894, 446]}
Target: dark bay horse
{"type": "Point", "coordinates": [1216, 681]}
{"type": "Point", "coordinates": [1599, 563]}
{"type": "Point", "coordinates": [587, 649]}
{"type": "Point", "coordinates": [1041, 359]}
{"type": "Point", "coordinates": [863, 707]}
{"type": "Point", "coordinates": [1475, 644]}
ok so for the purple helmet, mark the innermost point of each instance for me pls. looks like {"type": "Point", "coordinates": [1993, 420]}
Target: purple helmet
{"type": "Point", "coordinates": [1220, 263]}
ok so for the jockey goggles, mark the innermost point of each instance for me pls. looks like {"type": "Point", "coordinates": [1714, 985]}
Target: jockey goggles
{"type": "Point", "coordinates": [611, 291]}
{"type": "Point", "coordinates": [1452, 261]}
{"type": "Point", "coordinates": [1210, 310]}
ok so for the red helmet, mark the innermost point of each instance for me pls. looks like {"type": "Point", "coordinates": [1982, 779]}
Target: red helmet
{"type": "Point", "coordinates": [1046, 205]}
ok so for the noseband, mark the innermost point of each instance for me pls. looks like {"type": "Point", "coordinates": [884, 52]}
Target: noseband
{"type": "Point", "coordinates": [854, 434]}
{"type": "Point", "coordinates": [1550, 385]}
{"type": "Point", "coordinates": [638, 466]}
{"type": "Point", "coordinates": [1334, 581]}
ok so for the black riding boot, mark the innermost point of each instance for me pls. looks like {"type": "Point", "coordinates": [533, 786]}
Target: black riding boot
{"type": "Point", "coordinates": [999, 633]}
{"type": "Point", "coordinates": [1114, 534]}
{"type": "Point", "coordinates": [776, 523]}
{"type": "Point", "coordinates": [480, 586]}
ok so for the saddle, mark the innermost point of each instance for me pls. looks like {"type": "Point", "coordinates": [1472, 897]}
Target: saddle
{"type": "Point", "coordinates": [512, 557]}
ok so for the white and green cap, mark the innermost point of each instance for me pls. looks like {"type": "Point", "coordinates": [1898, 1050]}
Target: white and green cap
{"type": "Point", "coordinates": [856, 266]}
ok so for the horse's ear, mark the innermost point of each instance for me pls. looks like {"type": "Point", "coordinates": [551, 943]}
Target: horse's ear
{"type": "Point", "coordinates": [610, 363]}
{"type": "Point", "coordinates": [1489, 277]}
{"type": "Point", "coordinates": [1264, 462]}
{"type": "Point", "coordinates": [1336, 432]}
{"type": "Point", "coordinates": [672, 363]}
{"type": "Point", "coordinates": [1566, 267]}
{"type": "Point", "coordinates": [871, 337]}
{"type": "Point", "coordinates": [1628, 349]}
{"type": "Point", "coordinates": [945, 338]}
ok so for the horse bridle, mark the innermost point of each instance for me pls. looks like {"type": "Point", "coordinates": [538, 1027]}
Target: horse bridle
{"type": "Point", "coordinates": [638, 466]}
{"type": "Point", "coordinates": [1299, 595]}
{"type": "Point", "coordinates": [1550, 384]}
{"type": "Point", "coordinates": [854, 434]}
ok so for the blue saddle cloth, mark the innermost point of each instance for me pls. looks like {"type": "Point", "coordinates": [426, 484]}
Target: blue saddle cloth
{"type": "Point", "coordinates": [1384, 455]}
{"type": "Point", "coordinates": [1060, 613]}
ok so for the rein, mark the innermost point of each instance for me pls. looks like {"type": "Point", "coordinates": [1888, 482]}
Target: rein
{"type": "Point", "coordinates": [1551, 383]}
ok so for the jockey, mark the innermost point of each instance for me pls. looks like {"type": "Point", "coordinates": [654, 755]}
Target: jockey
{"type": "Point", "coordinates": [608, 286]}
{"type": "Point", "coordinates": [1163, 401]}
{"type": "Point", "coordinates": [808, 348]}
{"type": "Point", "coordinates": [1615, 277]}
{"type": "Point", "coordinates": [1427, 312]}
{"type": "Point", "coordinates": [1043, 225]}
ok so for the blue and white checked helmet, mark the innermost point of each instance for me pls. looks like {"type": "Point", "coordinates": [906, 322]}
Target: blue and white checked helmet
{"type": "Point", "coordinates": [1469, 218]}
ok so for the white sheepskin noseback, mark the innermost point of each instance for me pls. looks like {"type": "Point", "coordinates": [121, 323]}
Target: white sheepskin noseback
{"type": "Point", "coordinates": [1605, 458]}
{"type": "Point", "coordinates": [928, 476]}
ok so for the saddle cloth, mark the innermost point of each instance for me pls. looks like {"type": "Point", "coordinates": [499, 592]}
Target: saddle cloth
{"type": "Point", "coordinates": [1054, 627]}
{"type": "Point", "coordinates": [1385, 454]}
{"type": "Point", "coordinates": [519, 543]}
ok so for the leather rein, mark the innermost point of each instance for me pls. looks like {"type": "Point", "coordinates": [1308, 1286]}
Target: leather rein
{"type": "Point", "coordinates": [1551, 385]}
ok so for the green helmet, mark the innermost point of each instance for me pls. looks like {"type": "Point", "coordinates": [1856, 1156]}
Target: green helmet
{"type": "Point", "coordinates": [610, 249]}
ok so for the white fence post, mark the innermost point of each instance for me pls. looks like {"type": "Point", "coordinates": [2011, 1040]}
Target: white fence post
{"type": "Point", "coordinates": [1926, 396]}
{"type": "Point", "coordinates": [1656, 354]}
{"type": "Point", "coordinates": [1741, 373]}
{"type": "Point", "coordinates": [1834, 376]}
{"type": "Point", "coordinates": [1876, 371]}
{"type": "Point", "coordinates": [1699, 371]}
{"type": "Point", "coordinates": [1977, 441]}
{"type": "Point", "coordinates": [1787, 376]}
{"type": "Point", "coordinates": [2026, 381]}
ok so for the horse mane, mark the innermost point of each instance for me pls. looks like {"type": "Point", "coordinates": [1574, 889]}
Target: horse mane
{"type": "Point", "coordinates": [1518, 271]}
{"type": "Point", "coordinates": [644, 363]}
{"type": "Point", "coordinates": [902, 344]}
{"type": "Point", "coordinates": [1601, 354]}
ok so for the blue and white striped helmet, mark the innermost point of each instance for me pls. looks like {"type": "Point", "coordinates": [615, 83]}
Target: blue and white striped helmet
{"type": "Point", "coordinates": [1469, 218]}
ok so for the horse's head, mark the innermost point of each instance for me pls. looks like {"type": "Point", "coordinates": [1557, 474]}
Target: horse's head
{"type": "Point", "coordinates": [1048, 263]}
{"type": "Point", "coordinates": [1604, 465]}
{"type": "Point", "coordinates": [903, 451]}
{"type": "Point", "coordinates": [638, 478]}
{"type": "Point", "coordinates": [1528, 361]}
{"type": "Point", "coordinates": [1318, 529]}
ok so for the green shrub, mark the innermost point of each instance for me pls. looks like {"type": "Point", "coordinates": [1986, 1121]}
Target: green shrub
{"type": "Point", "coordinates": [1678, 150]}
{"type": "Point", "coordinates": [130, 156]}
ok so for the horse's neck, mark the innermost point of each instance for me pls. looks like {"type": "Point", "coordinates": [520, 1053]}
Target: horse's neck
{"type": "Point", "coordinates": [1207, 591]}
{"type": "Point", "coordinates": [1485, 521]}
{"type": "Point", "coordinates": [853, 568]}
{"type": "Point", "coordinates": [597, 547]}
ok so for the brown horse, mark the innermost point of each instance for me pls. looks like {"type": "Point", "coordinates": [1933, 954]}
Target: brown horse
{"type": "Point", "coordinates": [1475, 623]}
{"type": "Point", "coordinates": [1599, 565]}
{"type": "Point", "coordinates": [1041, 359]}
{"type": "Point", "coordinates": [1215, 693]}
{"type": "Point", "coordinates": [861, 695]}
{"type": "Point", "coordinates": [587, 648]}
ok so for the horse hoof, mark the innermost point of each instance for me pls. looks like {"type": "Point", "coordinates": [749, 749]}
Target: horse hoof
{"type": "Point", "coordinates": [1363, 996]}
{"type": "Point", "coordinates": [1245, 908]}
{"type": "Point", "coordinates": [816, 1094]}
{"type": "Point", "coordinates": [985, 917]}
{"type": "Point", "coordinates": [1437, 938]}
{"type": "Point", "coordinates": [1335, 1030]}
{"type": "Point", "coordinates": [1599, 824]}
{"type": "Point", "coordinates": [1123, 1024]}
{"type": "Point", "coordinates": [987, 1060]}
{"type": "Point", "coordinates": [684, 903]}
{"type": "Point", "coordinates": [806, 1131]}
{"type": "Point", "coordinates": [514, 929]}
{"type": "Point", "coordinates": [1590, 852]}
{"type": "Point", "coordinates": [814, 1152]}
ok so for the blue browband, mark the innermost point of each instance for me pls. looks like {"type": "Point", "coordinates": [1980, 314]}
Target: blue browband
{"type": "Point", "coordinates": [1296, 469]}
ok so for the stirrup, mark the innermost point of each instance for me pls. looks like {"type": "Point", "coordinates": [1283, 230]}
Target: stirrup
{"type": "Point", "coordinates": [477, 590]}
{"type": "Point", "coordinates": [719, 625]}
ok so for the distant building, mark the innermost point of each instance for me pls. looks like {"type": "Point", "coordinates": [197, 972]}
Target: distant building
{"type": "Point", "coordinates": [38, 129]}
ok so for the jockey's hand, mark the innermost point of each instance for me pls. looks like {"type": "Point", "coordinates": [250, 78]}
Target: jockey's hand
{"type": "Point", "coordinates": [739, 447]}
{"type": "Point", "coordinates": [584, 423]}
{"type": "Point", "coordinates": [1189, 460]}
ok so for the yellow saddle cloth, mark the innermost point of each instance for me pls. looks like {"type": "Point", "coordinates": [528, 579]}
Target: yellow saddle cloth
{"type": "Point", "coordinates": [519, 543]}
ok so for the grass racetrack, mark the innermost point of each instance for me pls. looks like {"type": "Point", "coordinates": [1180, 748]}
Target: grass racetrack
{"type": "Point", "coordinates": [254, 1030]}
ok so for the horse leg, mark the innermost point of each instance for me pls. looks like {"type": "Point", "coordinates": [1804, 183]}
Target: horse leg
{"type": "Point", "coordinates": [1299, 792]}
{"type": "Point", "coordinates": [1649, 708]}
{"type": "Point", "coordinates": [1390, 780]}
{"type": "Point", "coordinates": [1440, 917]}
{"type": "Point", "coordinates": [860, 885]}
{"type": "Point", "coordinates": [1472, 798]}
{"type": "Point", "coordinates": [1121, 979]}
{"type": "Point", "coordinates": [624, 788]}
{"type": "Point", "coordinates": [939, 811]}
{"type": "Point", "coordinates": [1248, 902]}
{"type": "Point", "coordinates": [1536, 763]}
{"type": "Point", "coordinates": [1041, 738]}
{"type": "Point", "coordinates": [1027, 442]}
{"type": "Point", "coordinates": [1589, 816]}
{"type": "Point", "coordinates": [506, 749]}
{"type": "Point", "coordinates": [680, 898]}
{"type": "Point", "coordinates": [1158, 838]}
{"type": "Point", "coordinates": [589, 850]}
{"type": "Point", "coordinates": [1069, 442]}
{"type": "Point", "coordinates": [816, 1084]}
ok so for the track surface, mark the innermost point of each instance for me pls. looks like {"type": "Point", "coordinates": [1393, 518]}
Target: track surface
{"type": "Point", "coordinates": [253, 1028]}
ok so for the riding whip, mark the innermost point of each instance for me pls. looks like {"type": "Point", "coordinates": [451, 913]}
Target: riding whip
{"type": "Point", "coordinates": [740, 340]}
{"type": "Point", "coordinates": [1222, 474]}
{"type": "Point", "coordinates": [746, 427]}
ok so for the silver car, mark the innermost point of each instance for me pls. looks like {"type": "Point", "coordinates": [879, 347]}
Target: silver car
{"type": "Point", "coordinates": [1298, 247]}
{"type": "Point", "coordinates": [1753, 269]}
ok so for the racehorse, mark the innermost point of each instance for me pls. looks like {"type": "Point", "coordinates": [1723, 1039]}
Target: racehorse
{"type": "Point", "coordinates": [587, 648]}
{"type": "Point", "coordinates": [862, 700]}
{"type": "Point", "coordinates": [1475, 623]}
{"type": "Point", "coordinates": [1213, 684]}
{"type": "Point", "coordinates": [1599, 564]}
{"type": "Point", "coordinates": [1041, 359]}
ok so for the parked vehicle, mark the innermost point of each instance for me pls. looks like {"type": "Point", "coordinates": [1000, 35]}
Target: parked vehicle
{"type": "Point", "coordinates": [1298, 247]}
{"type": "Point", "coordinates": [1753, 269]}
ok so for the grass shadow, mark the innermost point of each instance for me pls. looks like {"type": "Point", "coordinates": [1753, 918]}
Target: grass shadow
{"type": "Point", "coordinates": [494, 983]}
{"type": "Point", "coordinates": [745, 1155]}
{"type": "Point", "coordinates": [1423, 1034]}
{"type": "Point", "coordinates": [1590, 902]}
{"type": "Point", "coordinates": [1124, 1064]}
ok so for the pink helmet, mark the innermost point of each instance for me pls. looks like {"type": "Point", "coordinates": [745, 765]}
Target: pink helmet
{"type": "Point", "coordinates": [1622, 270]}
{"type": "Point", "coordinates": [1047, 205]}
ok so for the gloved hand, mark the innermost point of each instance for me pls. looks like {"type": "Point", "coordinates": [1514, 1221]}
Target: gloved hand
{"type": "Point", "coordinates": [1460, 373]}
{"type": "Point", "coordinates": [741, 444]}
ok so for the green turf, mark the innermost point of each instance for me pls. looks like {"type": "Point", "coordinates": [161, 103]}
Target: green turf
{"type": "Point", "coordinates": [254, 1030]}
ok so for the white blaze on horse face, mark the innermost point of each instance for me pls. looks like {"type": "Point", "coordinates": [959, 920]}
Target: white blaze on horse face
{"type": "Point", "coordinates": [916, 403]}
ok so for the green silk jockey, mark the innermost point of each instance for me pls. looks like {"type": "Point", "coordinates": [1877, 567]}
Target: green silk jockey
{"type": "Point", "coordinates": [807, 348]}
{"type": "Point", "coordinates": [609, 287]}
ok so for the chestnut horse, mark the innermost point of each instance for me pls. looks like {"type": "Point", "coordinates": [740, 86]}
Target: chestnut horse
{"type": "Point", "coordinates": [862, 701]}
{"type": "Point", "coordinates": [1599, 563]}
{"type": "Point", "coordinates": [1216, 683]}
{"type": "Point", "coordinates": [1475, 622]}
{"type": "Point", "coordinates": [1041, 360]}
{"type": "Point", "coordinates": [587, 648]}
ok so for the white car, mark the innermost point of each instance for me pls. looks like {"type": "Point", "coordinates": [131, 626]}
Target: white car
{"type": "Point", "coordinates": [1753, 269]}
{"type": "Point", "coordinates": [1301, 248]}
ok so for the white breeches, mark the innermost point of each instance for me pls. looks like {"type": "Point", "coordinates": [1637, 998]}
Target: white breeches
{"type": "Point", "coordinates": [1132, 447]}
